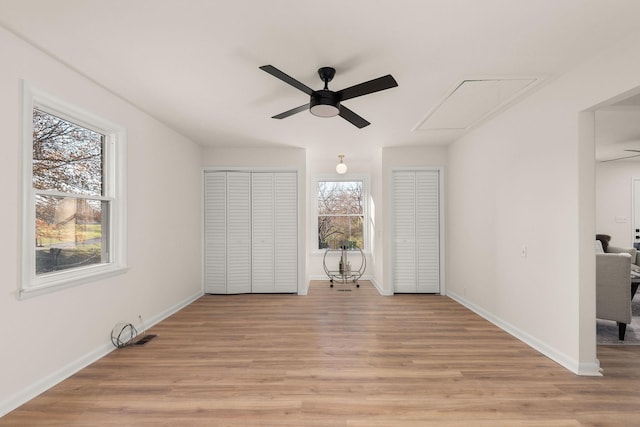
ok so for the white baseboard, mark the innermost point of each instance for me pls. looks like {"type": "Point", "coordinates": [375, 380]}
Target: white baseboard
{"type": "Point", "coordinates": [28, 393]}
{"type": "Point", "coordinates": [378, 286]}
{"type": "Point", "coordinates": [586, 369]}
{"type": "Point", "coordinates": [323, 277]}
{"type": "Point", "coordinates": [171, 310]}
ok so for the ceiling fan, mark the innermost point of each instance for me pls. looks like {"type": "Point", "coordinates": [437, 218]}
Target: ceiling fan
{"type": "Point", "coordinates": [327, 103]}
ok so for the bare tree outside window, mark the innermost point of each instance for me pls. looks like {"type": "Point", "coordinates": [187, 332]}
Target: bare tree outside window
{"type": "Point", "coordinates": [340, 214]}
{"type": "Point", "coordinates": [68, 182]}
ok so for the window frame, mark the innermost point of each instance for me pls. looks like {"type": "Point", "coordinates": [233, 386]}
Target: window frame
{"type": "Point", "coordinates": [365, 206]}
{"type": "Point", "coordinates": [114, 191]}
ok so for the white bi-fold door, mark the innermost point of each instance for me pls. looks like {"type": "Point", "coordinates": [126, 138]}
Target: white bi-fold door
{"type": "Point", "coordinates": [251, 238]}
{"type": "Point", "coordinates": [416, 263]}
{"type": "Point", "coordinates": [227, 232]}
{"type": "Point", "coordinates": [274, 232]}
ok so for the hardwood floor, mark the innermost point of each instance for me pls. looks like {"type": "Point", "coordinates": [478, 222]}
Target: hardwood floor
{"type": "Point", "coordinates": [342, 356]}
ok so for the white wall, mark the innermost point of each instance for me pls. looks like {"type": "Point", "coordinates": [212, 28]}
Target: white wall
{"type": "Point", "coordinates": [48, 337]}
{"type": "Point", "coordinates": [254, 157]}
{"type": "Point", "coordinates": [375, 266]}
{"type": "Point", "coordinates": [527, 178]}
{"type": "Point", "coordinates": [614, 200]}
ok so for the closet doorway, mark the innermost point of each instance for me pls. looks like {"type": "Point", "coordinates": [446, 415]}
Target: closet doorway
{"type": "Point", "coordinates": [250, 232]}
{"type": "Point", "coordinates": [417, 231]}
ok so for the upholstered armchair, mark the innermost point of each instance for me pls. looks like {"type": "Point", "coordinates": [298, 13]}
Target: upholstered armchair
{"type": "Point", "coordinates": [610, 249]}
{"type": "Point", "coordinates": [613, 289]}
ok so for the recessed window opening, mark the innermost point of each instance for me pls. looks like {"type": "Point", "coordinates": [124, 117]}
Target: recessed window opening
{"type": "Point", "coordinates": [73, 207]}
{"type": "Point", "coordinates": [341, 214]}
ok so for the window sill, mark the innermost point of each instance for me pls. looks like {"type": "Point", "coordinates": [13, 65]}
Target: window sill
{"type": "Point", "coordinates": [59, 281]}
{"type": "Point", "coordinates": [320, 252]}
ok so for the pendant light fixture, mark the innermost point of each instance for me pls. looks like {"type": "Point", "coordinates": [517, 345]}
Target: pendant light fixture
{"type": "Point", "coordinates": [341, 168]}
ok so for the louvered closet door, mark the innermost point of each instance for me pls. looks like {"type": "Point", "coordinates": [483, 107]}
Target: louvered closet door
{"type": "Point", "coordinates": [215, 217]}
{"type": "Point", "coordinates": [251, 232]}
{"type": "Point", "coordinates": [416, 230]}
{"type": "Point", "coordinates": [238, 232]}
{"type": "Point", "coordinates": [404, 230]}
{"type": "Point", "coordinates": [275, 232]}
{"type": "Point", "coordinates": [286, 232]}
{"type": "Point", "coordinates": [428, 231]}
{"type": "Point", "coordinates": [263, 247]}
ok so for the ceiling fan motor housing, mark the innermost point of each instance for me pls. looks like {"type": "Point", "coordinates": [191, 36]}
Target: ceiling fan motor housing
{"type": "Point", "coordinates": [324, 103]}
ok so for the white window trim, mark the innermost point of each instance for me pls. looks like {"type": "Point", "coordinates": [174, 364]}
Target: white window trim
{"type": "Point", "coordinates": [31, 285]}
{"type": "Point", "coordinates": [314, 208]}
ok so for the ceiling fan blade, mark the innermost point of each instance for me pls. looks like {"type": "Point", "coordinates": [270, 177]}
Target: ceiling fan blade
{"type": "Point", "coordinates": [352, 117]}
{"type": "Point", "coordinates": [291, 112]}
{"type": "Point", "coordinates": [286, 78]}
{"type": "Point", "coordinates": [375, 85]}
{"type": "Point", "coordinates": [634, 151]}
{"type": "Point", "coordinates": [621, 158]}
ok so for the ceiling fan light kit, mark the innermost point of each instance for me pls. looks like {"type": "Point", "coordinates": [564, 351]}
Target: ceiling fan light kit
{"type": "Point", "coordinates": [327, 103]}
{"type": "Point", "coordinates": [324, 103]}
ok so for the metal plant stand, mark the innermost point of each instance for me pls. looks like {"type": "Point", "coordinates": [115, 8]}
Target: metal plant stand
{"type": "Point", "coordinates": [350, 265]}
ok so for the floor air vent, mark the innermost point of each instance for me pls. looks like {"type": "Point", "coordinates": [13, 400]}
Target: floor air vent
{"type": "Point", "coordinates": [145, 339]}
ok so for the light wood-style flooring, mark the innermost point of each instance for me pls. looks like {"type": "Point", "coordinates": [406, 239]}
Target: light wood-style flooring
{"type": "Point", "coordinates": [341, 356]}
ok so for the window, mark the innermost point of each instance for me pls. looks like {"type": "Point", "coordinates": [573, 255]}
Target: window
{"type": "Point", "coordinates": [341, 214]}
{"type": "Point", "coordinates": [73, 227]}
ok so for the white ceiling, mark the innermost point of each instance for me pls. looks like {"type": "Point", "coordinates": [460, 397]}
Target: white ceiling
{"type": "Point", "coordinates": [617, 130]}
{"type": "Point", "coordinates": [193, 64]}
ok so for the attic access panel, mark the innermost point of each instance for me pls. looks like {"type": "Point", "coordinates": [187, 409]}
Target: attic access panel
{"type": "Point", "coordinates": [472, 100]}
